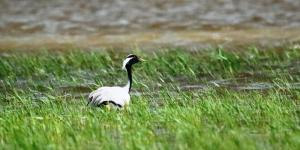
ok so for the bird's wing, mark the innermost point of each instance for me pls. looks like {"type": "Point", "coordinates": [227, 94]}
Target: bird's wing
{"type": "Point", "coordinates": [95, 95]}
{"type": "Point", "coordinates": [116, 95]}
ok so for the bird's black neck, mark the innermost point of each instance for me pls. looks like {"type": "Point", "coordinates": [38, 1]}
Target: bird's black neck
{"type": "Point", "coordinates": [129, 73]}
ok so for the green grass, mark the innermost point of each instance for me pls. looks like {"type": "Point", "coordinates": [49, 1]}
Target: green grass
{"type": "Point", "coordinates": [43, 100]}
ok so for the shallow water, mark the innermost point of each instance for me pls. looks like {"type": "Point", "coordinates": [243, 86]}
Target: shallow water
{"type": "Point", "coordinates": [234, 39]}
{"type": "Point", "coordinates": [33, 24]}
{"type": "Point", "coordinates": [77, 16]}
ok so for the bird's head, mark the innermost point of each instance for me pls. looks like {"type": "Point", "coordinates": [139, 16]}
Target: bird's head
{"type": "Point", "coordinates": [130, 60]}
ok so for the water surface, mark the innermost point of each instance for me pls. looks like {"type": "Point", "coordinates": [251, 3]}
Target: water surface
{"type": "Point", "coordinates": [33, 24]}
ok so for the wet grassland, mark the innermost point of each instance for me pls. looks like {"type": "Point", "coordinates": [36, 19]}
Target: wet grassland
{"type": "Point", "coordinates": [207, 99]}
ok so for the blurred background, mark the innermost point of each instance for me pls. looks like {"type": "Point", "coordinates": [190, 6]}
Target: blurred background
{"type": "Point", "coordinates": [120, 24]}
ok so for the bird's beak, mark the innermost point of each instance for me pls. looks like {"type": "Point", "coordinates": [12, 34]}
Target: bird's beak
{"type": "Point", "coordinates": [142, 60]}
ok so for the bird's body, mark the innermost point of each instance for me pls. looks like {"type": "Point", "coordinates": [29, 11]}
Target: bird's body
{"type": "Point", "coordinates": [118, 96]}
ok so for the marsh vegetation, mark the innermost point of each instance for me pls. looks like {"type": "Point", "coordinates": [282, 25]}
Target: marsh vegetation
{"type": "Point", "coordinates": [207, 99]}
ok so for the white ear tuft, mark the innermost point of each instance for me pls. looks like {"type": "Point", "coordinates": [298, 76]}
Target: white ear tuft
{"type": "Point", "coordinates": [125, 62]}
